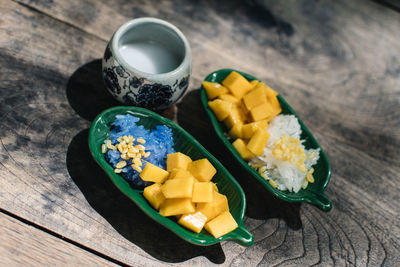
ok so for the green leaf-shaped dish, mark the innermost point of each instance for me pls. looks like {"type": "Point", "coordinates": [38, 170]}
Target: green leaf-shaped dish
{"type": "Point", "coordinates": [186, 144]}
{"type": "Point", "coordinates": [314, 193]}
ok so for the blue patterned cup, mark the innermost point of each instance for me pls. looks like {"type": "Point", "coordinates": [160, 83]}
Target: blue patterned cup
{"type": "Point", "coordinates": [147, 63]}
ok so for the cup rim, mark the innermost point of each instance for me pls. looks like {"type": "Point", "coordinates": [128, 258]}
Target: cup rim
{"type": "Point", "coordinates": [144, 20]}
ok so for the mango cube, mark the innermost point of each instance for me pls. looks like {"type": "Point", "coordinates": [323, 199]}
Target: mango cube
{"type": "Point", "coordinates": [153, 173]}
{"type": "Point", "coordinates": [179, 173]}
{"type": "Point", "coordinates": [250, 128]}
{"type": "Point", "coordinates": [203, 192]}
{"type": "Point", "coordinates": [153, 195]}
{"type": "Point", "coordinates": [236, 131]}
{"type": "Point", "coordinates": [261, 112]}
{"type": "Point", "coordinates": [220, 108]}
{"type": "Point", "coordinates": [214, 89]}
{"type": "Point", "coordinates": [214, 208]}
{"type": "Point", "coordinates": [202, 170]}
{"type": "Point", "coordinates": [176, 206]}
{"type": "Point", "coordinates": [229, 98]}
{"type": "Point", "coordinates": [194, 221]}
{"type": "Point", "coordinates": [177, 160]}
{"type": "Point", "coordinates": [254, 83]}
{"type": "Point", "coordinates": [237, 84]}
{"type": "Point", "coordinates": [221, 225]}
{"type": "Point", "coordinates": [275, 106]}
{"type": "Point", "coordinates": [269, 91]}
{"type": "Point", "coordinates": [241, 148]}
{"type": "Point", "coordinates": [236, 116]}
{"type": "Point", "coordinates": [178, 188]}
{"type": "Point", "coordinates": [255, 97]}
{"type": "Point", "coordinates": [258, 141]}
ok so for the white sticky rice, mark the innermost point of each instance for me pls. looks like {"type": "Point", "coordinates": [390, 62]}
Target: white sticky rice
{"type": "Point", "coordinates": [285, 174]}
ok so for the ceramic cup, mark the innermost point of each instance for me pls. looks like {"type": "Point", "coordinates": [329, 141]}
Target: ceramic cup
{"type": "Point", "coordinates": [147, 63]}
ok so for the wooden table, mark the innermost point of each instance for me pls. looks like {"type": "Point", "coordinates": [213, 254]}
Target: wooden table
{"type": "Point", "coordinates": [336, 62]}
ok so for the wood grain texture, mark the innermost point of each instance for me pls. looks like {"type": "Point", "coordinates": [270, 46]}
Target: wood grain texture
{"type": "Point", "coordinates": [336, 62]}
{"type": "Point", "coordinates": [24, 245]}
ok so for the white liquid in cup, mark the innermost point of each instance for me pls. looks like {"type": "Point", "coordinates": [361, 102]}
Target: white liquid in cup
{"type": "Point", "coordinates": [149, 57]}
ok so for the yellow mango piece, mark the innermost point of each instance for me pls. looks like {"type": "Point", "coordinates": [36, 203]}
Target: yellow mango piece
{"type": "Point", "coordinates": [178, 188]}
{"type": "Point", "coordinates": [177, 160]}
{"type": "Point", "coordinates": [221, 225]}
{"type": "Point", "coordinates": [220, 108]}
{"type": "Point", "coordinates": [194, 221]}
{"type": "Point", "coordinates": [258, 141]}
{"type": "Point", "coordinates": [241, 148]}
{"type": "Point", "coordinates": [229, 98]}
{"type": "Point", "coordinates": [202, 170]}
{"type": "Point", "coordinates": [176, 206]}
{"type": "Point", "coordinates": [269, 91]}
{"type": "Point", "coordinates": [214, 208]}
{"type": "Point", "coordinates": [236, 84]}
{"type": "Point", "coordinates": [261, 112]}
{"type": "Point", "coordinates": [254, 83]}
{"type": "Point", "coordinates": [153, 195]}
{"type": "Point", "coordinates": [179, 173]}
{"type": "Point", "coordinates": [250, 128]}
{"type": "Point", "coordinates": [215, 187]}
{"type": "Point", "coordinates": [236, 116]}
{"type": "Point", "coordinates": [153, 173]}
{"type": "Point", "coordinates": [202, 192]}
{"type": "Point", "coordinates": [255, 97]}
{"type": "Point", "coordinates": [236, 131]}
{"type": "Point", "coordinates": [214, 89]}
{"type": "Point", "coordinates": [275, 106]}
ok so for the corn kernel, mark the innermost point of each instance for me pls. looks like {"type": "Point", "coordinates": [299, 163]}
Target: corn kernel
{"type": "Point", "coordinates": [147, 154]}
{"type": "Point", "coordinates": [117, 170]}
{"type": "Point", "coordinates": [262, 170]}
{"type": "Point", "coordinates": [120, 164]}
{"type": "Point", "coordinates": [103, 148]}
{"type": "Point", "coordinates": [305, 184]}
{"type": "Point", "coordinates": [137, 161]}
{"type": "Point", "coordinates": [311, 155]}
{"type": "Point", "coordinates": [131, 155]}
{"type": "Point", "coordinates": [136, 168]}
{"type": "Point", "coordinates": [140, 147]}
{"type": "Point", "coordinates": [119, 139]}
{"type": "Point", "coordinates": [272, 182]}
{"type": "Point", "coordinates": [109, 145]}
{"type": "Point", "coordinates": [310, 178]}
{"type": "Point", "coordinates": [141, 141]}
{"type": "Point", "coordinates": [125, 138]}
{"type": "Point", "coordinates": [124, 156]}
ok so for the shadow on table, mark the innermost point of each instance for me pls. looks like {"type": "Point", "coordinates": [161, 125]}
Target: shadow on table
{"type": "Point", "coordinates": [124, 215]}
{"type": "Point", "coordinates": [260, 203]}
{"type": "Point", "coordinates": [86, 92]}
{"type": "Point", "coordinates": [88, 96]}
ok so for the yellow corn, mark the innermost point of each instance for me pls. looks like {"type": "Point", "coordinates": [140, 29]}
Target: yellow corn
{"type": "Point", "coordinates": [121, 164]}
{"type": "Point", "coordinates": [124, 156]}
{"type": "Point", "coordinates": [117, 170]}
{"type": "Point", "coordinates": [131, 155]}
{"type": "Point", "coordinates": [141, 141]}
{"type": "Point", "coordinates": [305, 184]}
{"type": "Point", "coordinates": [311, 155]}
{"type": "Point", "coordinates": [103, 148]}
{"type": "Point", "coordinates": [272, 182]}
{"type": "Point", "coordinates": [109, 145]}
{"type": "Point", "coordinates": [119, 139]}
{"type": "Point", "coordinates": [136, 168]}
{"type": "Point", "coordinates": [262, 170]}
{"type": "Point", "coordinates": [140, 147]}
{"type": "Point", "coordinates": [137, 161]}
{"type": "Point", "coordinates": [147, 154]}
{"type": "Point", "coordinates": [126, 139]}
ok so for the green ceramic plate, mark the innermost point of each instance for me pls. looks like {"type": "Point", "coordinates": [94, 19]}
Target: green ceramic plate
{"type": "Point", "coordinates": [186, 144]}
{"type": "Point", "coordinates": [314, 193]}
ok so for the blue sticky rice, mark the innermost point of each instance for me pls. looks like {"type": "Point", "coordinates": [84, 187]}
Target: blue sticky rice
{"type": "Point", "coordinates": [159, 143]}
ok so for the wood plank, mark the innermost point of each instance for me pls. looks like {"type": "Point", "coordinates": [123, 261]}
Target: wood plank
{"type": "Point", "coordinates": [25, 245]}
{"type": "Point", "coordinates": [337, 65]}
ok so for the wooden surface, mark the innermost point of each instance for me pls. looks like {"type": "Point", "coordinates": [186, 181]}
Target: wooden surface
{"type": "Point", "coordinates": [336, 62]}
